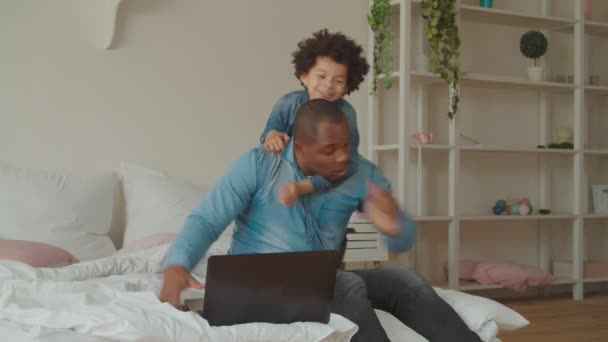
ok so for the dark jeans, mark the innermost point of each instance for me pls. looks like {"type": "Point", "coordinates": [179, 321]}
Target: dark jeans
{"type": "Point", "coordinates": [406, 296]}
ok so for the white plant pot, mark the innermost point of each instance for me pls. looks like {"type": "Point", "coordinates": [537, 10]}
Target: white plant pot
{"type": "Point", "coordinates": [535, 73]}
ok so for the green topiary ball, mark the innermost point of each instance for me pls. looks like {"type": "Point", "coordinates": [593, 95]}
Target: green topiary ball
{"type": "Point", "coordinates": [533, 44]}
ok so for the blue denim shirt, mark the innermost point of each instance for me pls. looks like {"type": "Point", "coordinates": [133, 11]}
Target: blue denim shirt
{"type": "Point", "coordinates": [246, 193]}
{"type": "Point", "coordinates": [282, 119]}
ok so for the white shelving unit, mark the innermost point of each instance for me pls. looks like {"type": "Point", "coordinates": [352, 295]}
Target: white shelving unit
{"type": "Point", "coordinates": [414, 102]}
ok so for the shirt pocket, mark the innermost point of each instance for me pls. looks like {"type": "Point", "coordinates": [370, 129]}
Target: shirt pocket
{"type": "Point", "coordinates": [337, 209]}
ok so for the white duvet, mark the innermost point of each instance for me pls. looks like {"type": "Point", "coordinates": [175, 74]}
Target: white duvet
{"type": "Point", "coordinates": [116, 298]}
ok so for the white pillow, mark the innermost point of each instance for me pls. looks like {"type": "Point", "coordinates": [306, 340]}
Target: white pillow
{"type": "Point", "coordinates": [476, 311]}
{"type": "Point", "coordinates": [67, 211]}
{"type": "Point", "coordinates": [155, 202]}
{"type": "Point", "coordinates": [396, 330]}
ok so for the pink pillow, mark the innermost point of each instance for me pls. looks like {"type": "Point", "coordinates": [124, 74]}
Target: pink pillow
{"type": "Point", "coordinates": [148, 242]}
{"type": "Point", "coordinates": [35, 254]}
{"type": "Point", "coordinates": [511, 275]}
{"type": "Point", "coordinates": [466, 269]}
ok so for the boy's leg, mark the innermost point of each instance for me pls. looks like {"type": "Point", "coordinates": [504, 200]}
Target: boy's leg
{"type": "Point", "coordinates": [350, 301]}
{"type": "Point", "coordinates": [408, 297]}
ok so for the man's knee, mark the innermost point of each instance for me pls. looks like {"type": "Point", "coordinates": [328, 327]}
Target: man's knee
{"type": "Point", "coordinates": [405, 279]}
{"type": "Point", "coordinates": [350, 285]}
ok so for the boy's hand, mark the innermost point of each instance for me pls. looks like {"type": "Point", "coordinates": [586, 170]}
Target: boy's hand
{"type": "Point", "coordinates": [288, 194]}
{"type": "Point", "coordinates": [175, 280]}
{"type": "Point", "coordinates": [275, 141]}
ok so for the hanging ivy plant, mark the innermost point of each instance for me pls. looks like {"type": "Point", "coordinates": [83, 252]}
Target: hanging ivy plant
{"type": "Point", "coordinates": [379, 21]}
{"type": "Point", "coordinates": [441, 32]}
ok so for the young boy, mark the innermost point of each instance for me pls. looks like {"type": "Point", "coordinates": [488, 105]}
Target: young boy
{"type": "Point", "coordinates": [329, 66]}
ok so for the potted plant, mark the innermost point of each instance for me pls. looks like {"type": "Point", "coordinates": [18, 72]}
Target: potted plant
{"type": "Point", "coordinates": [441, 32]}
{"type": "Point", "coordinates": [379, 21]}
{"type": "Point", "coordinates": [533, 44]}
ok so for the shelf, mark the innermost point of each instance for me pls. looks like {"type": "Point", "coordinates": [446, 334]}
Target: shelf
{"type": "Point", "coordinates": [596, 280]}
{"type": "Point", "coordinates": [433, 218]}
{"type": "Point", "coordinates": [432, 147]}
{"type": "Point", "coordinates": [595, 216]}
{"type": "Point", "coordinates": [465, 285]}
{"type": "Point", "coordinates": [494, 81]}
{"type": "Point", "coordinates": [596, 28]}
{"type": "Point", "coordinates": [596, 90]}
{"type": "Point", "coordinates": [489, 148]}
{"type": "Point", "coordinates": [511, 18]}
{"type": "Point", "coordinates": [470, 285]}
{"type": "Point", "coordinates": [517, 217]}
{"type": "Point", "coordinates": [394, 74]}
{"type": "Point", "coordinates": [599, 152]}
{"type": "Point", "coordinates": [392, 147]}
{"type": "Point", "coordinates": [536, 95]}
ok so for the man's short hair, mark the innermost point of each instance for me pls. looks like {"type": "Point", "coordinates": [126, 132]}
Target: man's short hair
{"type": "Point", "coordinates": [311, 114]}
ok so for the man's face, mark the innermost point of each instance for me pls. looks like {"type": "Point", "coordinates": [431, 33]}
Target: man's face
{"type": "Point", "coordinates": [328, 155]}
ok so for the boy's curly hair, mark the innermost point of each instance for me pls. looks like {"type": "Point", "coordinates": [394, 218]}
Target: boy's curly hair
{"type": "Point", "coordinates": [336, 46]}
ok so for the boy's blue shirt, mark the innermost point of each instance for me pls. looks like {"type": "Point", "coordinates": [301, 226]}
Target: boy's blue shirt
{"type": "Point", "coordinates": [246, 194]}
{"type": "Point", "coordinates": [282, 119]}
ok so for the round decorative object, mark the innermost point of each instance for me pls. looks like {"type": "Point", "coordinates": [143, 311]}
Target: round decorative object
{"type": "Point", "coordinates": [524, 209]}
{"type": "Point", "coordinates": [515, 209]}
{"type": "Point", "coordinates": [524, 200]}
{"type": "Point", "coordinates": [501, 204]}
{"type": "Point", "coordinates": [533, 44]}
{"type": "Point", "coordinates": [497, 210]}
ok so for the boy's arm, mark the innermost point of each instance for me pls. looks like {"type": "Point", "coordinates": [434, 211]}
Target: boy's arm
{"type": "Point", "coordinates": [279, 118]}
{"type": "Point", "coordinates": [320, 184]}
{"type": "Point", "coordinates": [228, 198]}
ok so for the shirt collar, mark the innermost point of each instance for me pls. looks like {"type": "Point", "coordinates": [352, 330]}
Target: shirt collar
{"type": "Point", "coordinates": [288, 154]}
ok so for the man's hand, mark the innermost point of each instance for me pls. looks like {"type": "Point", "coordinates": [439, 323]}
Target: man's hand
{"type": "Point", "coordinates": [175, 280]}
{"type": "Point", "coordinates": [275, 141]}
{"type": "Point", "coordinates": [382, 209]}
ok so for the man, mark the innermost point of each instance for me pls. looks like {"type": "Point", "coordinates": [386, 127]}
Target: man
{"type": "Point", "coordinates": [246, 194]}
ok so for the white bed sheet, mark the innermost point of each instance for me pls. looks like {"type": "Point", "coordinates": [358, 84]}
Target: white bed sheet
{"type": "Point", "coordinates": [116, 298]}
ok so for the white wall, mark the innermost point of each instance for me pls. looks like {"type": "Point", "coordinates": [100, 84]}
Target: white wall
{"type": "Point", "coordinates": [186, 87]}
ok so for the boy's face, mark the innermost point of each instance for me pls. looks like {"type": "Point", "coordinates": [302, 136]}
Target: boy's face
{"type": "Point", "coordinates": [326, 79]}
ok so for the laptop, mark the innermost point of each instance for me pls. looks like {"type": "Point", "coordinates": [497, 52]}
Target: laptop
{"type": "Point", "coordinates": [271, 288]}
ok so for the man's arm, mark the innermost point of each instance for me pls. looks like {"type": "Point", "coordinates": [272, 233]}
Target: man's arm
{"type": "Point", "coordinates": [228, 198]}
{"type": "Point", "coordinates": [397, 228]}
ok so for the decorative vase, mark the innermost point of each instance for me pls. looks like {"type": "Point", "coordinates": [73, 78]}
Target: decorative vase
{"type": "Point", "coordinates": [535, 73]}
{"type": "Point", "coordinates": [485, 3]}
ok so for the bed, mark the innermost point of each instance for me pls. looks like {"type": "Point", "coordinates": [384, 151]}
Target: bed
{"type": "Point", "coordinates": [113, 295]}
